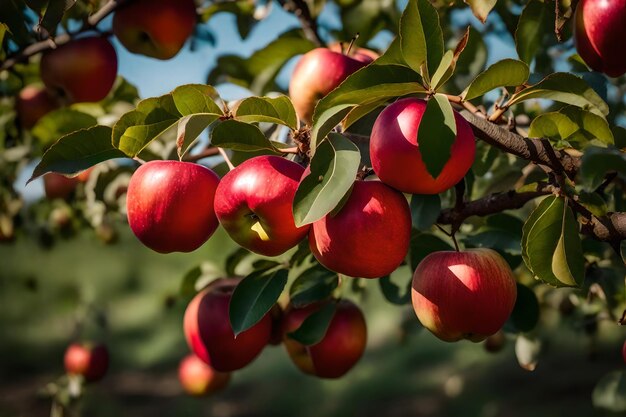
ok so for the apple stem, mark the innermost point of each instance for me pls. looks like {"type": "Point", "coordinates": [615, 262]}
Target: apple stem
{"type": "Point", "coordinates": [226, 159]}
{"type": "Point", "coordinates": [451, 235]}
{"type": "Point", "coordinates": [456, 244]}
{"type": "Point", "coordinates": [352, 44]}
{"type": "Point", "coordinates": [138, 159]}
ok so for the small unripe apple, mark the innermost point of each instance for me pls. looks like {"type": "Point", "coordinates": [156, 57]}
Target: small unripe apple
{"type": "Point", "coordinates": [82, 70]}
{"type": "Point", "coordinates": [155, 28]}
{"type": "Point", "coordinates": [198, 378]}
{"type": "Point", "coordinates": [90, 361]}
{"type": "Point", "coordinates": [210, 336]}
{"type": "Point", "coordinates": [170, 205]}
{"type": "Point", "coordinates": [319, 72]}
{"type": "Point", "coordinates": [253, 203]}
{"type": "Point", "coordinates": [463, 295]}
{"type": "Point", "coordinates": [369, 237]}
{"type": "Point", "coordinates": [58, 186]}
{"type": "Point", "coordinates": [339, 350]}
{"type": "Point", "coordinates": [599, 33]}
{"type": "Point", "coordinates": [32, 103]}
{"type": "Point", "coordinates": [395, 154]}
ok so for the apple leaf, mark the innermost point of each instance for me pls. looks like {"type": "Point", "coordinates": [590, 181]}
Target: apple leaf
{"type": "Point", "coordinates": [277, 110]}
{"type": "Point", "coordinates": [422, 245]}
{"type": "Point", "coordinates": [551, 245]}
{"type": "Point", "coordinates": [534, 23]}
{"type": "Point", "coordinates": [393, 54]}
{"type": "Point", "coordinates": [189, 128]}
{"type": "Point", "coordinates": [314, 327]}
{"type": "Point", "coordinates": [424, 210]}
{"type": "Point", "coordinates": [54, 13]}
{"type": "Point", "coordinates": [394, 293]}
{"type": "Point", "coordinates": [448, 63]}
{"type": "Point", "coordinates": [421, 37]}
{"type": "Point", "coordinates": [565, 88]}
{"type": "Point", "coordinates": [481, 8]}
{"type": "Point", "coordinates": [314, 284]}
{"type": "Point", "coordinates": [198, 278]}
{"type": "Point", "coordinates": [527, 350]}
{"type": "Point", "coordinates": [240, 136]}
{"type": "Point", "coordinates": [504, 73]}
{"type": "Point", "coordinates": [597, 162]}
{"type": "Point", "coordinates": [59, 123]}
{"type": "Point", "coordinates": [526, 311]}
{"type": "Point", "coordinates": [619, 137]}
{"type": "Point", "coordinates": [369, 85]}
{"type": "Point", "coordinates": [437, 133]}
{"type": "Point", "coordinates": [78, 151]}
{"type": "Point", "coordinates": [610, 392]}
{"type": "Point", "coordinates": [196, 98]}
{"type": "Point", "coordinates": [333, 172]}
{"type": "Point", "coordinates": [254, 297]}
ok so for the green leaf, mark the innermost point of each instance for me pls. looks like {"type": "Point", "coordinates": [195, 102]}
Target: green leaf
{"type": "Point", "coordinates": [240, 136]}
{"type": "Point", "coordinates": [552, 246]}
{"type": "Point", "coordinates": [196, 98]}
{"type": "Point", "coordinates": [393, 54]}
{"type": "Point", "coordinates": [526, 311]}
{"type": "Point", "coordinates": [481, 8]}
{"type": "Point", "coordinates": [12, 14]}
{"type": "Point", "coordinates": [448, 63]}
{"type": "Point", "coordinates": [198, 278]}
{"type": "Point", "coordinates": [189, 128]}
{"type": "Point", "coordinates": [59, 123]}
{"type": "Point", "coordinates": [394, 293]}
{"type": "Point", "coordinates": [422, 245]}
{"type": "Point", "coordinates": [421, 36]}
{"type": "Point", "coordinates": [565, 88]}
{"type": "Point", "coordinates": [424, 210]}
{"type": "Point", "coordinates": [255, 295]}
{"type": "Point", "coordinates": [369, 85]}
{"type": "Point", "coordinates": [619, 136]}
{"type": "Point", "coordinates": [54, 13]}
{"type": "Point", "coordinates": [234, 259]}
{"type": "Point", "coordinates": [277, 110]}
{"type": "Point", "coordinates": [597, 162]}
{"type": "Point", "coordinates": [314, 327]}
{"type": "Point", "coordinates": [505, 73]}
{"type": "Point", "coordinates": [333, 172]}
{"type": "Point", "coordinates": [314, 284]}
{"type": "Point", "coordinates": [610, 392]}
{"type": "Point", "coordinates": [533, 24]}
{"type": "Point", "coordinates": [78, 151]}
{"type": "Point", "coordinates": [437, 133]}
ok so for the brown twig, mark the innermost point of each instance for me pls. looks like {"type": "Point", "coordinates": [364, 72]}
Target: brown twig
{"type": "Point", "coordinates": [309, 24]}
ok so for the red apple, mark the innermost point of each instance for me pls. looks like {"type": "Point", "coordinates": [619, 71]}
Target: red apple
{"type": "Point", "coordinates": [369, 237]}
{"type": "Point", "coordinates": [155, 28]}
{"type": "Point", "coordinates": [253, 203]}
{"type": "Point", "coordinates": [319, 72]}
{"type": "Point", "coordinates": [395, 154]}
{"type": "Point", "coordinates": [198, 378]}
{"type": "Point", "coordinates": [32, 103]}
{"type": "Point", "coordinates": [463, 295]}
{"type": "Point", "coordinates": [90, 361]}
{"type": "Point", "coordinates": [339, 350]}
{"type": "Point", "coordinates": [170, 205]}
{"type": "Point", "coordinates": [599, 32]}
{"type": "Point", "coordinates": [210, 336]}
{"type": "Point", "coordinates": [58, 186]}
{"type": "Point", "coordinates": [81, 70]}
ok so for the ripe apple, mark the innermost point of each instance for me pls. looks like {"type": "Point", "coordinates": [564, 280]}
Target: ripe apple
{"type": "Point", "coordinates": [170, 205]}
{"type": "Point", "coordinates": [155, 28]}
{"type": "Point", "coordinates": [58, 186]}
{"type": "Point", "coordinates": [253, 203]}
{"type": "Point", "coordinates": [80, 70]}
{"type": "Point", "coordinates": [369, 237]}
{"type": "Point", "coordinates": [599, 32]}
{"type": "Point", "coordinates": [463, 295]}
{"type": "Point", "coordinates": [210, 336]}
{"type": "Point", "coordinates": [198, 378]}
{"type": "Point", "coordinates": [319, 72]}
{"type": "Point", "coordinates": [624, 352]}
{"type": "Point", "coordinates": [395, 154]}
{"type": "Point", "coordinates": [90, 361]}
{"type": "Point", "coordinates": [339, 350]}
{"type": "Point", "coordinates": [32, 103]}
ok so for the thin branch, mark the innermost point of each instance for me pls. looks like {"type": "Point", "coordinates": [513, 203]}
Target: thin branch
{"type": "Point", "coordinates": [210, 151]}
{"type": "Point", "coordinates": [309, 24]}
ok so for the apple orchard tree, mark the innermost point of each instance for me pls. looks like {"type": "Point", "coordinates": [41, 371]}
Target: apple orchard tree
{"type": "Point", "coordinates": [476, 186]}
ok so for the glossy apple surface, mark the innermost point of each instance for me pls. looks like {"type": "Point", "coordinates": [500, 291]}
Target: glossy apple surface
{"type": "Point", "coordinates": [463, 295]}
{"type": "Point", "coordinates": [87, 360]}
{"type": "Point", "coordinates": [339, 350]}
{"type": "Point", "coordinates": [599, 34]}
{"type": "Point", "coordinates": [198, 378]}
{"type": "Point", "coordinates": [319, 72]}
{"type": "Point", "coordinates": [170, 205]}
{"type": "Point", "coordinates": [395, 154]}
{"type": "Point", "coordinates": [369, 237]}
{"type": "Point", "coordinates": [155, 28]}
{"type": "Point", "coordinates": [58, 186]}
{"type": "Point", "coordinates": [32, 103]}
{"type": "Point", "coordinates": [210, 336]}
{"type": "Point", "coordinates": [82, 70]}
{"type": "Point", "coordinates": [253, 204]}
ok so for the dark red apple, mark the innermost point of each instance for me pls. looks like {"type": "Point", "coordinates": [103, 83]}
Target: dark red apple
{"type": "Point", "coordinates": [90, 361]}
{"type": "Point", "coordinates": [170, 205]}
{"type": "Point", "coordinates": [624, 352]}
{"type": "Point", "coordinates": [599, 31]}
{"type": "Point", "coordinates": [395, 154]}
{"type": "Point", "coordinates": [32, 103]}
{"type": "Point", "coordinates": [58, 186]}
{"type": "Point", "coordinates": [155, 28]}
{"type": "Point", "coordinates": [339, 350]}
{"type": "Point", "coordinates": [253, 204]}
{"type": "Point", "coordinates": [319, 72]}
{"type": "Point", "coordinates": [199, 378]}
{"type": "Point", "coordinates": [463, 295]}
{"type": "Point", "coordinates": [210, 336]}
{"type": "Point", "coordinates": [80, 70]}
{"type": "Point", "coordinates": [369, 237]}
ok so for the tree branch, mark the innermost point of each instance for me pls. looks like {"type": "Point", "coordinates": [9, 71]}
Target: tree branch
{"type": "Point", "coordinates": [309, 24]}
